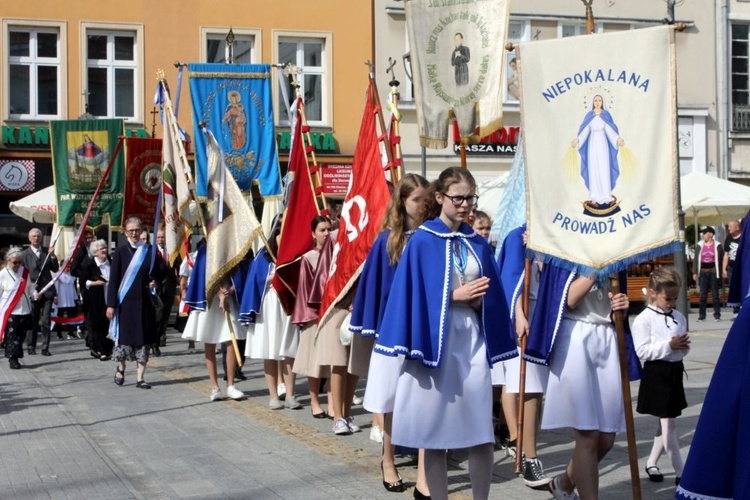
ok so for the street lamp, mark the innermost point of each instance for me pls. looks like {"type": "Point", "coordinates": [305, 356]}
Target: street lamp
{"type": "Point", "coordinates": [230, 46]}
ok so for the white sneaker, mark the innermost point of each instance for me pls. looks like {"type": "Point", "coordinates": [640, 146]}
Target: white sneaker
{"type": "Point", "coordinates": [234, 393]}
{"type": "Point", "coordinates": [352, 426]}
{"type": "Point", "coordinates": [292, 403]}
{"type": "Point", "coordinates": [376, 434]}
{"type": "Point", "coordinates": [356, 400]}
{"type": "Point", "coordinates": [275, 404]}
{"type": "Point", "coordinates": [341, 427]}
{"type": "Point", "coordinates": [216, 394]}
{"type": "Point", "coordinates": [558, 493]}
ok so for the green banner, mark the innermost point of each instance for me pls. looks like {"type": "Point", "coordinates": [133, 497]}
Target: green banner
{"type": "Point", "coordinates": [81, 152]}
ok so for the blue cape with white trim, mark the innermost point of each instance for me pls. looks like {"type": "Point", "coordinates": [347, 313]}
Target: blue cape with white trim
{"type": "Point", "coordinates": [510, 263]}
{"type": "Point", "coordinates": [255, 288]}
{"type": "Point", "coordinates": [719, 457]}
{"type": "Point", "coordinates": [373, 289]}
{"type": "Point", "coordinates": [739, 288]}
{"type": "Point", "coordinates": [416, 316]}
{"type": "Point", "coordinates": [551, 302]}
{"type": "Point", "coordinates": [195, 297]}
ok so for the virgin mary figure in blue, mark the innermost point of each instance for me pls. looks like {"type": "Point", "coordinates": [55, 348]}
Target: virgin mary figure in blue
{"type": "Point", "coordinates": [598, 142]}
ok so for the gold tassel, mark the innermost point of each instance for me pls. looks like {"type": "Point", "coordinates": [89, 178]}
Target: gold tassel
{"type": "Point", "coordinates": [571, 164]}
{"type": "Point", "coordinates": [628, 163]}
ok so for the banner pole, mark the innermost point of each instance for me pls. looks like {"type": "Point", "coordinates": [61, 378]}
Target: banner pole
{"type": "Point", "coordinates": [522, 373]}
{"type": "Point", "coordinates": [396, 124]}
{"type": "Point", "coordinates": [381, 121]}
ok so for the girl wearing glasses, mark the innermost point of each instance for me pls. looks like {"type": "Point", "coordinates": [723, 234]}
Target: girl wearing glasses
{"type": "Point", "coordinates": [446, 318]}
{"type": "Point", "coordinates": [15, 306]}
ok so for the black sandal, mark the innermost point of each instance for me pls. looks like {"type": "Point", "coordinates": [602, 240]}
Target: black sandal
{"type": "Point", "coordinates": [656, 477]}
{"type": "Point", "coordinates": [142, 384]}
{"type": "Point", "coordinates": [119, 380]}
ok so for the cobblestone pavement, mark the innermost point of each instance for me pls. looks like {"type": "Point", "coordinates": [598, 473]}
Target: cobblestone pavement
{"type": "Point", "coordinates": [67, 431]}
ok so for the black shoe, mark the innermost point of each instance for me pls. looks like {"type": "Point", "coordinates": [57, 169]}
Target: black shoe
{"type": "Point", "coordinates": [14, 364]}
{"type": "Point", "coordinates": [142, 384]}
{"type": "Point", "coordinates": [322, 414]}
{"type": "Point", "coordinates": [45, 352]}
{"type": "Point", "coordinates": [533, 474]}
{"type": "Point", "coordinates": [238, 375]}
{"type": "Point", "coordinates": [654, 474]}
{"type": "Point", "coordinates": [119, 380]}
{"type": "Point", "coordinates": [31, 351]}
{"type": "Point", "coordinates": [396, 487]}
{"type": "Point", "coordinates": [677, 481]}
{"type": "Point", "coordinates": [157, 351]}
{"type": "Point", "coordinates": [418, 495]}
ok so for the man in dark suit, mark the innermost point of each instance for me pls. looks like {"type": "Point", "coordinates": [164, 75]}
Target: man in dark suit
{"type": "Point", "coordinates": [77, 265]}
{"type": "Point", "coordinates": [168, 288]}
{"type": "Point", "coordinates": [41, 263]}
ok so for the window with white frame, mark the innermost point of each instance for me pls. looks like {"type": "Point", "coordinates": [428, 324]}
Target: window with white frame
{"type": "Point", "coordinates": [217, 48]}
{"type": "Point", "coordinates": [566, 29]}
{"type": "Point", "coordinates": [112, 74]}
{"type": "Point", "coordinates": [740, 71]}
{"type": "Point", "coordinates": [34, 81]}
{"type": "Point", "coordinates": [309, 54]}
{"type": "Point", "coordinates": [518, 31]}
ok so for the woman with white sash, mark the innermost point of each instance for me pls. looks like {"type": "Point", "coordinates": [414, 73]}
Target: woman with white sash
{"type": "Point", "coordinates": [15, 306]}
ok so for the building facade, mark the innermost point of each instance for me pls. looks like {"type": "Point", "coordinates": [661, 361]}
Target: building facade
{"type": "Point", "coordinates": [62, 60]}
{"type": "Point", "coordinates": [700, 109]}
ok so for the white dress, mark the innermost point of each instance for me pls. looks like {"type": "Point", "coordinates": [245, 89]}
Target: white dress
{"type": "Point", "coordinates": [445, 408]}
{"type": "Point", "coordinates": [211, 326]}
{"type": "Point", "coordinates": [584, 390]}
{"type": "Point", "coordinates": [272, 336]}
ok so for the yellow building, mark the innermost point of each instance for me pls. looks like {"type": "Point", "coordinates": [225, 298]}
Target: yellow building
{"type": "Point", "coordinates": [60, 60]}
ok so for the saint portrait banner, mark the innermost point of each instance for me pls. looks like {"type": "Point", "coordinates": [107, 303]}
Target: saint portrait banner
{"type": "Point", "coordinates": [142, 178]}
{"type": "Point", "coordinates": [81, 151]}
{"type": "Point", "coordinates": [599, 120]}
{"type": "Point", "coordinates": [234, 102]}
{"type": "Point", "coordinates": [457, 68]}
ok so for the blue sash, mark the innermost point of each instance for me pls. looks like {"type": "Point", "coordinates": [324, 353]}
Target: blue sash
{"type": "Point", "coordinates": [127, 281]}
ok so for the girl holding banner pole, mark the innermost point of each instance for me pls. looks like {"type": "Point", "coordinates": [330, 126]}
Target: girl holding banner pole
{"type": "Point", "coordinates": [572, 331]}
{"type": "Point", "coordinates": [447, 315]}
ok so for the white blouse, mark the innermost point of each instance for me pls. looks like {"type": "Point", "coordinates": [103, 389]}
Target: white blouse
{"type": "Point", "coordinates": [652, 331]}
{"type": "Point", "coordinates": [8, 280]}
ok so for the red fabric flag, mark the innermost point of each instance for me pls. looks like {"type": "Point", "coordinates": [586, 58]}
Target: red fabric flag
{"type": "Point", "coordinates": [296, 236]}
{"type": "Point", "coordinates": [361, 215]}
{"type": "Point", "coordinates": [142, 178]}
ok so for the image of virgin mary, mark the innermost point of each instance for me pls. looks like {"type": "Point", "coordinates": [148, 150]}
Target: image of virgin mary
{"type": "Point", "coordinates": [598, 142]}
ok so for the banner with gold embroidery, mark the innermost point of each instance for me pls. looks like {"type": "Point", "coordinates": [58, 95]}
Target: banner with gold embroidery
{"type": "Point", "coordinates": [142, 178]}
{"type": "Point", "coordinates": [234, 102]}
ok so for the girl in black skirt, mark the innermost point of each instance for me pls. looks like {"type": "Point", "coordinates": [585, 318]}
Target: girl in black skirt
{"type": "Point", "coordinates": [661, 341]}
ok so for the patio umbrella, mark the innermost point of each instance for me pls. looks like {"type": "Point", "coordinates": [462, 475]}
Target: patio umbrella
{"type": "Point", "coordinates": [40, 206]}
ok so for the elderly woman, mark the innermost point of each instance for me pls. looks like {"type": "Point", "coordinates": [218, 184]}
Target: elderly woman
{"type": "Point", "coordinates": [95, 277]}
{"type": "Point", "coordinates": [15, 306]}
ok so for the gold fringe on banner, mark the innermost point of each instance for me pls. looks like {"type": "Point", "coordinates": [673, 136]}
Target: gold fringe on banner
{"type": "Point", "coordinates": [197, 74]}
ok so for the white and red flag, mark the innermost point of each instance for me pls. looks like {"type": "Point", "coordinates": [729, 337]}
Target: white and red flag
{"type": "Point", "coordinates": [362, 213]}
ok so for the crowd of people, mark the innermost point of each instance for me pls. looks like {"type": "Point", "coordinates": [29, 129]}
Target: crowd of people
{"type": "Point", "coordinates": [434, 324]}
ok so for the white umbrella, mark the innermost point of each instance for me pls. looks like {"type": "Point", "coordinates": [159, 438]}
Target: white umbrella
{"type": "Point", "coordinates": [710, 200]}
{"type": "Point", "coordinates": [40, 206]}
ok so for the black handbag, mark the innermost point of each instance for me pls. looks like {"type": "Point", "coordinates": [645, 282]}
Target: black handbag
{"type": "Point", "coordinates": [158, 305]}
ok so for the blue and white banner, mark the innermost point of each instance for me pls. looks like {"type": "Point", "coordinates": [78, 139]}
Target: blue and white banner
{"type": "Point", "coordinates": [599, 120]}
{"type": "Point", "coordinates": [235, 104]}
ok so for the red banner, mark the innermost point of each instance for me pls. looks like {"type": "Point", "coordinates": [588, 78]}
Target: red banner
{"type": "Point", "coordinates": [142, 178]}
{"type": "Point", "coordinates": [361, 214]}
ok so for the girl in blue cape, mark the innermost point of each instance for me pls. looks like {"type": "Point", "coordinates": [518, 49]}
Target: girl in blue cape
{"type": "Point", "coordinates": [447, 316]}
{"type": "Point", "coordinates": [271, 336]}
{"type": "Point", "coordinates": [598, 141]}
{"type": "Point", "coordinates": [405, 212]}
{"type": "Point", "coordinates": [572, 332]}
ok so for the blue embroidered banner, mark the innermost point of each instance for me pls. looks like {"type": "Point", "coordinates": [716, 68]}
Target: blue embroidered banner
{"type": "Point", "coordinates": [235, 104]}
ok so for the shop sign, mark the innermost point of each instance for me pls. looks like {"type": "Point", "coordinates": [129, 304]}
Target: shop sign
{"type": "Point", "coordinates": [501, 142]}
{"type": "Point", "coordinates": [335, 178]}
{"type": "Point", "coordinates": [321, 141]}
{"type": "Point", "coordinates": [26, 136]}
{"type": "Point", "coordinates": [16, 175]}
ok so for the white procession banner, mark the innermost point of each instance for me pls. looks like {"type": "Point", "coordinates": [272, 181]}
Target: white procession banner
{"type": "Point", "coordinates": [456, 49]}
{"type": "Point", "coordinates": [599, 120]}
